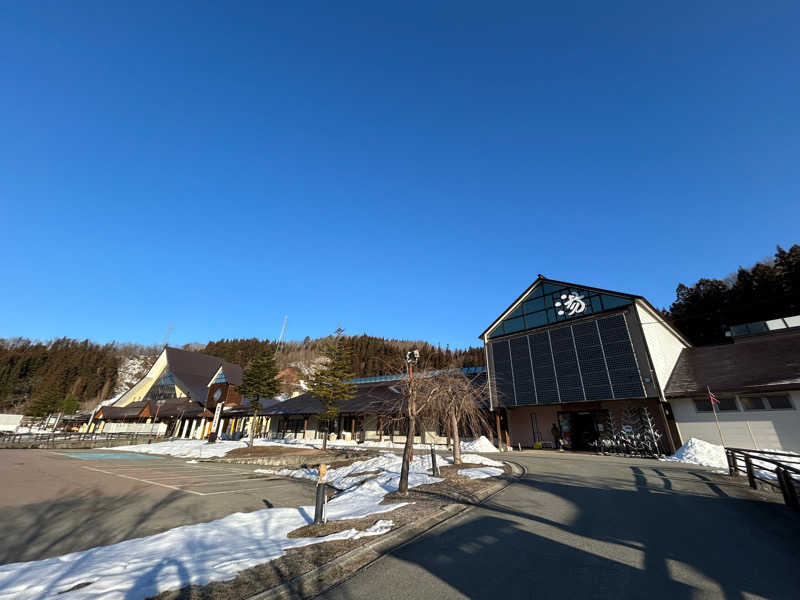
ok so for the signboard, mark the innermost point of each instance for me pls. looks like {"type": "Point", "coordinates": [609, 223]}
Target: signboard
{"type": "Point", "coordinates": [217, 416]}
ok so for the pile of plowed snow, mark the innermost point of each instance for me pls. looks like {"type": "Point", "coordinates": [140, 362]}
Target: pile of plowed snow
{"type": "Point", "coordinates": [700, 452]}
{"type": "Point", "coordinates": [479, 445]}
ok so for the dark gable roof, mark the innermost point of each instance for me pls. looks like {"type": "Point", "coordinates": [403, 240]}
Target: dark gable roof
{"type": "Point", "coordinates": [195, 370]}
{"type": "Point", "coordinates": [771, 362]}
{"type": "Point", "coordinates": [542, 279]}
{"type": "Point", "coordinates": [371, 398]}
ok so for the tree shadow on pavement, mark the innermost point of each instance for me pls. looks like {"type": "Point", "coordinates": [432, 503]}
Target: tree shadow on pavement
{"type": "Point", "coordinates": [549, 536]}
{"type": "Point", "coordinates": [77, 522]}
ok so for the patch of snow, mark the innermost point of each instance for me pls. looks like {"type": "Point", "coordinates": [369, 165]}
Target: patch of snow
{"type": "Point", "coordinates": [131, 369]}
{"type": "Point", "coordinates": [478, 460]}
{"type": "Point", "coordinates": [191, 462]}
{"type": "Point", "coordinates": [378, 528]}
{"type": "Point", "coordinates": [184, 448]}
{"type": "Point", "coordinates": [481, 472]}
{"type": "Point", "coordinates": [351, 475]}
{"type": "Point", "coordinates": [480, 445]}
{"type": "Point", "coordinates": [202, 449]}
{"type": "Point", "coordinates": [699, 452]}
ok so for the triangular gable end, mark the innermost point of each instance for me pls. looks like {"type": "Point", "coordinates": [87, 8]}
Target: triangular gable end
{"type": "Point", "coordinates": [547, 302]}
{"type": "Point", "coordinates": [219, 376]}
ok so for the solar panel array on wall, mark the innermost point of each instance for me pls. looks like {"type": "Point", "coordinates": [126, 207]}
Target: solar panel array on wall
{"type": "Point", "coordinates": [591, 360]}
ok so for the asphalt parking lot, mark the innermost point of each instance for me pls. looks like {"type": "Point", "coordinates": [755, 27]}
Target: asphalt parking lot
{"type": "Point", "coordinates": [56, 502]}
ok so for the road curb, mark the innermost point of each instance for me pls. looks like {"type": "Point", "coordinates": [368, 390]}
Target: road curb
{"type": "Point", "coordinates": [345, 566]}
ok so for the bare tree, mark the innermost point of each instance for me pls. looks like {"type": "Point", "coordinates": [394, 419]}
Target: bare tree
{"type": "Point", "coordinates": [416, 396]}
{"type": "Point", "coordinates": [460, 402]}
{"type": "Point", "coordinates": [448, 397]}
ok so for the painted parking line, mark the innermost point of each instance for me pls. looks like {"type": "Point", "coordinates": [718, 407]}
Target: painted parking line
{"type": "Point", "coordinates": [229, 481]}
{"type": "Point", "coordinates": [106, 456]}
{"type": "Point", "coordinates": [187, 490]}
{"type": "Point", "coordinates": [200, 475]}
{"type": "Point", "coordinates": [171, 487]}
{"type": "Point", "coordinates": [157, 473]}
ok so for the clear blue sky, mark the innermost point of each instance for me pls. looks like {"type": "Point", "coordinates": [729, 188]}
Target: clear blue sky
{"type": "Point", "coordinates": [403, 171]}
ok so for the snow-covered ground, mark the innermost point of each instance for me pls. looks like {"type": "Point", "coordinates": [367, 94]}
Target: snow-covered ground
{"type": "Point", "coordinates": [481, 472]}
{"type": "Point", "coordinates": [350, 475]}
{"type": "Point", "coordinates": [201, 449]}
{"type": "Point", "coordinates": [699, 452]}
{"type": "Point", "coordinates": [215, 551]}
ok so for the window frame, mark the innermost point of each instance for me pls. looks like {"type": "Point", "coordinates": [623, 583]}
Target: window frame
{"type": "Point", "coordinates": [706, 399]}
{"type": "Point", "coordinates": [765, 402]}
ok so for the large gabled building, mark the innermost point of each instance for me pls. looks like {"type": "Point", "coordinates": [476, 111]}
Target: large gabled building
{"type": "Point", "coordinates": [580, 358]}
{"type": "Point", "coordinates": [180, 391]}
{"type": "Point", "coordinates": [179, 373]}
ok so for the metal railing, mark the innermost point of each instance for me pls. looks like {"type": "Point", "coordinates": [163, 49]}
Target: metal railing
{"type": "Point", "coordinates": [767, 467]}
{"type": "Point", "coordinates": [52, 438]}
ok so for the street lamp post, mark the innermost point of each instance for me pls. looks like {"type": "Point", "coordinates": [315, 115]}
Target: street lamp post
{"type": "Point", "coordinates": [412, 358]}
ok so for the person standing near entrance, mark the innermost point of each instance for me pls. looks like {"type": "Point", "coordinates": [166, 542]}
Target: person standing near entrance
{"type": "Point", "coordinates": [556, 436]}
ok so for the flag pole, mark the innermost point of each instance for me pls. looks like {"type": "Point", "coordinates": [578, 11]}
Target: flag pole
{"type": "Point", "coordinates": [714, 410]}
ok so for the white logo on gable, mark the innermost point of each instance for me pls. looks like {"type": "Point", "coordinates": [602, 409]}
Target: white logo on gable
{"type": "Point", "coordinates": [574, 304]}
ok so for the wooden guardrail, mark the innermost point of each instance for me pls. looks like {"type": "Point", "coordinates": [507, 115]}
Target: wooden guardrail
{"type": "Point", "coordinates": [767, 467]}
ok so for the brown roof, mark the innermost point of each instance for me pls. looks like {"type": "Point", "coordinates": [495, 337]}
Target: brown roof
{"type": "Point", "coordinates": [372, 398]}
{"type": "Point", "coordinates": [762, 364]}
{"type": "Point", "coordinates": [195, 370]}
{"type": "Point", "coordinates": [130, 411]}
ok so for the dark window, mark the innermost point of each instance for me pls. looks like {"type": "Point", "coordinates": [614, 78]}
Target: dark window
{"type": "Point", "coordinates": [766, 402]}
{"type": "Point", "coordinates": [535, 320]}
{"type": "Point", "coordinates": [727, 404]}
{"type": "Point", "coordinates": [497, 332]}
{"type": "Point", "coordinates": [512, 325]}
{"type": "Point", "coordinates": [534, 304]}
{"type": "Point", "coordinates": [614, 301]}
{"type": "Point", "coordinates": [752, 403]}
{"type": "Point", "coordinates": [779, 403]}
{"type": "Point", "coordinates": [702, 404]}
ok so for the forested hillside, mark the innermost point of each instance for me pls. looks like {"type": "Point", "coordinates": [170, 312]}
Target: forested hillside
{"type": "Point", "coordinates": [371, 355]}
{"type": "Point", "coordinates": [41, 377]}
{"type": "Point", "coordinates": [767, 290]}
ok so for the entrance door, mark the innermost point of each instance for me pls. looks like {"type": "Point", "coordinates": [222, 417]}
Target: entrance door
{"type": "Point", "coordinates": [578, 429]}
{"type": "Point", "coordinates": [584, 434]}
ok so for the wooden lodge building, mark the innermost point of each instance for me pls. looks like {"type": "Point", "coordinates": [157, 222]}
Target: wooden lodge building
{"type": "Point", "coordinates": [580, 360]}
{"type": "Point", "coordinates": [587, 360]}
{"type": "Point", "coordinates": [176, 397]}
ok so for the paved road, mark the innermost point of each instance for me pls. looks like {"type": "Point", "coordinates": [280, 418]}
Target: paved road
{"type": "Point", "coordinates": [56, 502]}
{"type": "Point", "coordinates": [581, 526]}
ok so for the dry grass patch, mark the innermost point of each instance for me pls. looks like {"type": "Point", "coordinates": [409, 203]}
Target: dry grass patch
{"type": "Point", "coordinates": [253, 451]}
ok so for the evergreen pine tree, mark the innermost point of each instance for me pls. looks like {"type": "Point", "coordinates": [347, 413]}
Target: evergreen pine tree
{"type": "Point", "coordinates": [329, 381]}
{"type": "Point", "coordinates": [260, 378]}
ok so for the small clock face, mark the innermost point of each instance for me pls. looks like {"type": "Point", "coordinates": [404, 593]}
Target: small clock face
{"type": "Point", "coordinates": [218, 394]}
